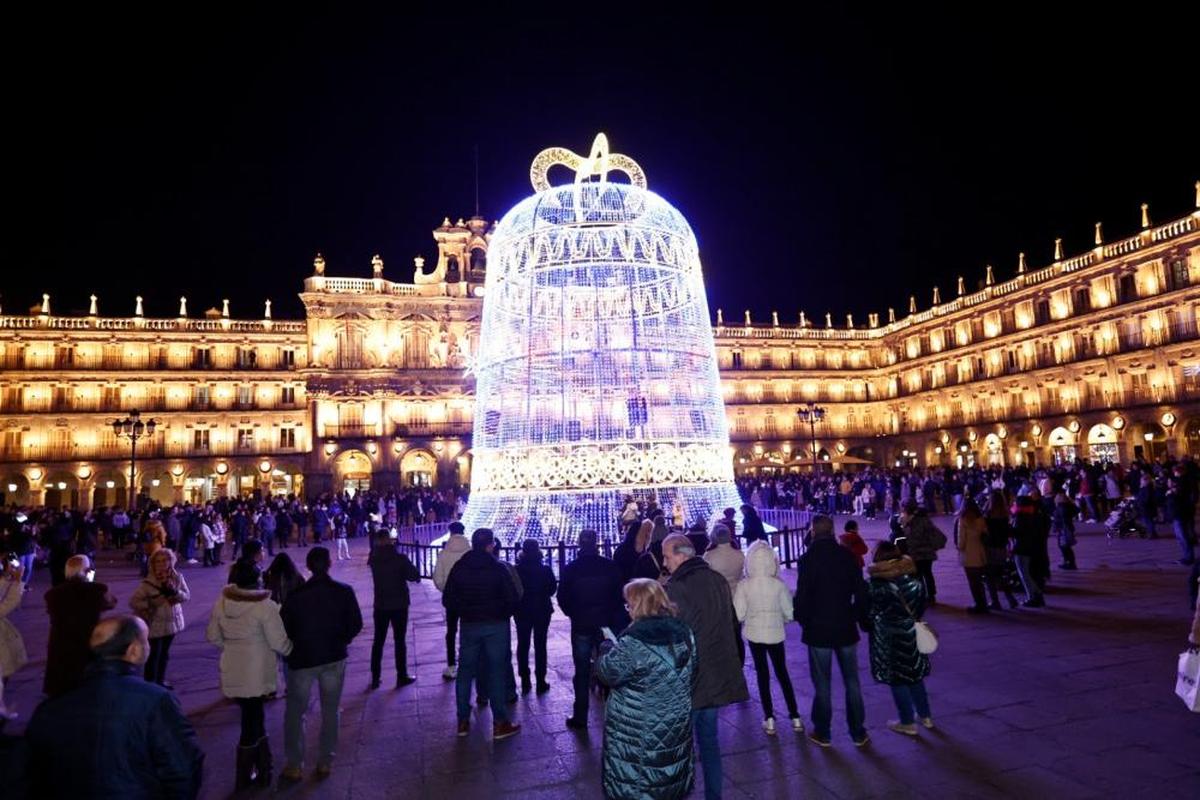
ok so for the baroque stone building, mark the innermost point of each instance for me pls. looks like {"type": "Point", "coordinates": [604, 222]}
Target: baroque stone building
{"type": "Point", "coordinates": [1095, 356]}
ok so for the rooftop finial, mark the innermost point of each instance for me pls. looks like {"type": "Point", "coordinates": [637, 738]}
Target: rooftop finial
{"type": "Point", "coordinates": [267, 310]}
{"type": "Point", "coordinates": [828, 320]}
{"type": "Point", "coordinates": [1058, 249]}
{"type": "Point", "coordinates": [1021, 267]}
{"type": "Point", "coordinates": [891, 315]}
{"type": "Point", "coordinates": [775, 318]}
{"type": "Point", "coordinates": [748, 323]}
{"type": "Point", "coordinates": [912, 304]}
{"type": "Point", "coordinates": [991, 277]}
{"type": "Point", "coordinates": [1099, 233]}
{"type": "Point", "coordinates": [849, 320]}
{"type": "Point", "coordinates": [803, 320]}
{"type": "Point", "coordinates": [377, 265]}
{"type": "Point", "coordinates": [92, 306]}
{"type": "Point", "coordinates": [225, 309]}
{"type": "Point", "coordinates": [962, 289]}
{"type": "Point", "coordinates": [720, 317]}
{"type": "Point", "coordinates": [45, 305]}
{"type": "Point", "coordinates": [1145, 215]}
{"type": "Point", "coordinates": [137, 309]}
{"type": "Point", "coordinates": [319, 264]}
{"type": "Point", "coordinates": [598, 162]}
{"type": "Point", "coordinates": [937, 296]}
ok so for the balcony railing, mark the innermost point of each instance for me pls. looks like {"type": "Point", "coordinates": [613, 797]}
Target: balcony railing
{"type": "Point", "coordinates": [454, 428]}
{"type": "Point", "coordinates": [358, 430]}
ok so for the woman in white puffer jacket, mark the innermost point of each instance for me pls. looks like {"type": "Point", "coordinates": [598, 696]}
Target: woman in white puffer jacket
{"type": "Point", "coordinates": [764, 605]}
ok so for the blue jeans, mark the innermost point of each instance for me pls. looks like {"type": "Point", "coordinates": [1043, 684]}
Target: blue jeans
{"type": "Point", "coordinates": [583, 645]}
{"type": "Point", "coordinates": [329, 679]}
{"type": "Point", "coordinates": [704, 720]}
{"type": "Point", "coordinates": [910, 698]}
{"type": "Point", "coordinates": [483, 647]}
{"type": "Point", "coordinates": [1183, 536]}
{"type": "Point", "coordinates": [26, 568]}
{"type": "Point", "coordinates": [820, 662]}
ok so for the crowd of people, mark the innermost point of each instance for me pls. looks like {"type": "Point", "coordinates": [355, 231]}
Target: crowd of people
{"type": "Point", "coordinates": [660, 631]}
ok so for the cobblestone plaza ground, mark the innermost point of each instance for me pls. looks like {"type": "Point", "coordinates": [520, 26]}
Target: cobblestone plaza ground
{"type": "Point", "coordinates": [1072, 701]}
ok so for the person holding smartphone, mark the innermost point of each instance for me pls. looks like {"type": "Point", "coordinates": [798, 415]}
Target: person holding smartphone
{"type": "Point", "coordinates": [651, 670]}
{"type": "Point", "coordinates": [12, 646]}
{"type": "Point", "coordinates": [74, 606]}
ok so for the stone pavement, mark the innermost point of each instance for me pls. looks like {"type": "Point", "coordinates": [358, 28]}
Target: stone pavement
{"type": "Point", "coordinates": [1072, 701]}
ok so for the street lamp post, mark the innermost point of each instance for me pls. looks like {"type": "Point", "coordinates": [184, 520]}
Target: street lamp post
{"type": "Point", "coordinates": [812, 413]}
{"type": "Point", "coordinates": [132, 428]}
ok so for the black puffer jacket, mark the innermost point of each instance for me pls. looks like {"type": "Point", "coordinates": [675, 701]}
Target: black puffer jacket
{"type": "Point", "coordinates": [590, 594]}
{"type": "Point", "coordinates": [647, 722]}
{"type": "Point", "coordinates": [479, 589]}
{"type": "Point", "coordinates": [706, 605]}
{"type": "Point", "coordinates": [115, 736]}
{"type": "Point", "coordinates": [895, 659]}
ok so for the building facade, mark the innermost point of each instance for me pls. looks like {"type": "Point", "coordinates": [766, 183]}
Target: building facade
{"type": "Point", "coordinates": [1094, 356]}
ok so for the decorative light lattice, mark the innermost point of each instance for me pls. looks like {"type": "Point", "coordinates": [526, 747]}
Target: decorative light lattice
{"type": "Point", "coordinates": [596, 377]}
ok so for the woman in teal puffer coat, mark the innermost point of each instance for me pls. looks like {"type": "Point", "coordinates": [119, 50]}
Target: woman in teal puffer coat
{"type": "Point", "coordinates": [897, 602]}
{"type": "Point", "coordinates": [647, 722]}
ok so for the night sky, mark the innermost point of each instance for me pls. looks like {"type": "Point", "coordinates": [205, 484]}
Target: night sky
{"type": "Point", "coordinates": [827, 163]}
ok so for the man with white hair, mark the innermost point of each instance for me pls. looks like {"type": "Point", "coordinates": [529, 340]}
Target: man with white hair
{"type": "Point", "coordinates": [74, 607]}
{"type": "Point", "coordinates": [122, 736]}
{"type": "Point", "coordinates": [706, 605]}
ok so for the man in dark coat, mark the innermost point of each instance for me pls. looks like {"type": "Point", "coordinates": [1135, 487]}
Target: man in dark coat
{"type": "Point", "coordinates": [74, 607]}
{"type": "Point", "coordinates": [390, 572]}
{"type": "Point", "coordinates": [115, 735]}
{"type": "Point", "coordinates": [481, 593]}
{"type": "Point", "coordinates": [831, 604]}
{"type": "Point", "coordinates": [321, 617]}
{"type": "Point", "coordinates": [589, 593]}
{"type": "Point", "coordinates": [706, 605]}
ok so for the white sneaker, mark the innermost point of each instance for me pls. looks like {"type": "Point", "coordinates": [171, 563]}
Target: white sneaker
{"type": "Point", "coordinates": [769, 726]}
{"type": "Point", "coordinates": [899, 727]}
{"type": "Point", "coordinates": [927, 722]}
{"type": "Point", "coordinates": [797, 725]}
{"type": "Point", "coordinates": [192, 561]}
{"type": "Point", "coordinates": [450, 673]}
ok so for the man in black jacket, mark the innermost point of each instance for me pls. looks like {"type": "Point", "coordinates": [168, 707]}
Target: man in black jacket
{"type": "Point", "coordinates": [390, 571]}
{"type": "Point", "coordinates": [589, 593]}
{"type": "Point", "coordinates": [481, 593]}
{"type": "Point", "coordinates": [831, 604]}
{"type": "Point", "coordinates": [321, 617]}
{"type": "Point", "coordinates": [115, 735]}
{"type": "Point", "coordinates": [706, 605]}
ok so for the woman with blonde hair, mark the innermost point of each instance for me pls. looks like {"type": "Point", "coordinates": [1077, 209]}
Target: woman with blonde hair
{"type": "Point", "coordinates": [159, 600]}
{"type": "Point", "coordinates": [650, 669]}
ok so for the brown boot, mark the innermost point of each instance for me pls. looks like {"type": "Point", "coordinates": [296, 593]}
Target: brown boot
{"type": "Point", "coordinates": [262, 762]}
{"type": "Point", "coordinates": [246, 755]}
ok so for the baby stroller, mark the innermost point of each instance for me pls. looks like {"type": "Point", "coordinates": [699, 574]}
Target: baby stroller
{"type": "Point", "coordinates": [1123, 521]}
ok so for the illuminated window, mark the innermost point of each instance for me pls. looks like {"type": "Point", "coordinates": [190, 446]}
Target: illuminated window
{"type": "Point", "coordinates": [287, 438]}
{"type": "Point", "coordinates": [200, 439]}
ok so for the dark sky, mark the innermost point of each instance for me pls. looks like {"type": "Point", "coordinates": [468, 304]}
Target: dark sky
{"type": "Point", "coordinates": [830, 162]}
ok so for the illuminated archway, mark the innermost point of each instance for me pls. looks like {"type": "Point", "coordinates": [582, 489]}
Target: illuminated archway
{"type": "Point", "coordinates": [352, 471]}
{"type": "Point", "coordinates": [1102, 444]}
{"type": "Point", "coordinates": [418, 467]}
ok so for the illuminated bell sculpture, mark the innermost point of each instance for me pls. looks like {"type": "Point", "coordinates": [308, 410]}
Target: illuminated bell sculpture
{"type": "Point", "coordinates": [596, 377]}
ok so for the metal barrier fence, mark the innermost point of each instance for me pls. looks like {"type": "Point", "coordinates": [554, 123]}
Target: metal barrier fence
{"type": "Point", "coordinates": [789, 545]}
